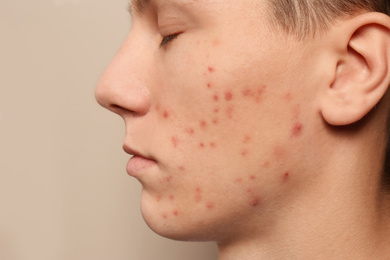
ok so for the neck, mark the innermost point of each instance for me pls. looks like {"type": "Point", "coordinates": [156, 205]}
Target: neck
{"type": "Point", "coordinates": [338, 213]}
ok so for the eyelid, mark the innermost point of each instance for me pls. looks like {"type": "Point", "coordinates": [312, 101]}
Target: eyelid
{"type": "Point", "coordinates": [169, 38]}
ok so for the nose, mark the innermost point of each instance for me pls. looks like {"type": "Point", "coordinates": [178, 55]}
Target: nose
{"type": "Point", "coordinates": [123, 87]}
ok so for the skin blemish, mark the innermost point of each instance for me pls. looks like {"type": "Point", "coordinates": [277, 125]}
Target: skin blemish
{"type": "Point", "coordinates": [247, 139]}
{"type": "Point", "coordinates": [297, 129]}
{"type": "Point", "coordinates": [286, 176]}
{"type": "Point", "coordinates": [201, 145]}
{"type": "Point", "coordinates": [166, 115]}
{"type": "Point", "coordinates": [171, 197]}
{"type": "Point", "coordinates": [255, 201]}
{"type": "Point", "coordinates": [266, 164]}
{"type": "Point", "coordinates": [176, 213]}
{"type": "Point", "coordinates": [216, 110]}
{"type": "Point", "coordinates": [159, 198]}
{"type": "Point", "coordinates": [165, 216]}
{"type": "Point", "coordinates": [247, 92]}
{"type": "Point", "coordinates": [203, 124]}
{"type": "Point", "coordinates": [252, 177]}
{"type": "Point", "coordinates": [216, 98]}
{"type": "Point", "coordinates": [190, 131]}
{"type": "Point", "coordinates": [211, 69]}
{"type": "Point", "coordinates": [288, 97]}
{"type": "Point", "coordinates": [215, 121]}
{"type": "Point", "coordinates": [198, 195]}
{"type": "Point", "coordinates": [279, 153]}
{"type": "Point", "coordinates": [228, 96]}
{"type": "Point", "coordinates": [210, 205]}
{"type": "Point", "coordinates": [175, 141]}
{"type": "Point", "coordinates": [255, 94]}
{"type": "Point", "coordinates": [213, 145]}
{"type": "Point", "coordinates": [244, 153]}
{"type": "Point", "coordinates": [209, 85]}
{"type": "Point", "coordinates": [181, 168]}
{"type": "Point", "coordinates": [238, 180]}
{"type": "Point", "coordinates": [229, 112]}
{"type": "Point", "coordinates": [168, 179]}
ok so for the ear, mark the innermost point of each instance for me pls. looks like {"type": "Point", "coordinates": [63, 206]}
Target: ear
{"type": "Point", "coordinates": [361, 74]}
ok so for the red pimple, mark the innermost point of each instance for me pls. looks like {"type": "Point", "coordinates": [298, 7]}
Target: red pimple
{"type": "Point", "coordinates": [209, 85]}
{"type": "Point", "coordinates": [213, 145]}
{"type": "Point", "coordinates": [171, 197]}
{"type": "Point", "coordinates": [247, 139]}
{"type": "Point", "coordinates": [255, 201]}
{"type": "Point", "coordinates": [255, 94]}
{"type": "Point", "coordinates": [252, 177]}
{"type": "Point", "coordinates": [286, 176]}
{"type": "Point", "coordinates": [228, 96]}
{"type": "Point", "coordinates": [297, 129]}
{"type": "Point", "coordinates": [244, 152]}
{"type": "Point", "coordinates": [216, 110]}
{"type": "Point", "coordinates": [175, 141]}
{"type": "Point", "coordinates": [176, 213]}
{"type": "Point", "coordinates": [215, 121]}
{"type": "Point", "coordinates": [181, 168]}
{"type": "Point", "coordinates": [168, 179]}
{"type": "Point", "coordinates": [266, 164]}
{"type": "Point", "coordinates": [247, 92]}
{"type": "Point", "coordinates": [190, 131]}
{"type": "Point", "coordinates": [203, 124]}
{"type": "Point", "coordinates": [166, 114]}
{"type": "Point", "coordinates": [210, 205]}
{"type": "Point", "coordinates": [216, 98]}
{"type": "Point", "coordinates": [211, 69]}
{"type": "Point", "coordinates": [165, 216]}
{"type": "Point", "coordinates": [201, 145]}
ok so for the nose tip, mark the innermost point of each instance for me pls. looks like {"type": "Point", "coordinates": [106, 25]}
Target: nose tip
{"type": "Point", "coordinates": [121, 91]}
{"type": "Point", "coordinates": [120, 98]}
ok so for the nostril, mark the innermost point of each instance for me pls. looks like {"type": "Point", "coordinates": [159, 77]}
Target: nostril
{"type": "Point", "coordinates": [116, 109]}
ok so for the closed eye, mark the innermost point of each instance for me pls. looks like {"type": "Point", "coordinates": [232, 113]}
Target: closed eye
{"type": "Point", "coordinates": [168, 39]}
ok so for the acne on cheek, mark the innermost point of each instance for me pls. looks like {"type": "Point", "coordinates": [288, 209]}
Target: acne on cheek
{"type": "Point", "coordinates": [255, 94]}
{"type": "Point", "coordinates": [297, 127]}
{"type": "Point", "coordinates": [198, 198]}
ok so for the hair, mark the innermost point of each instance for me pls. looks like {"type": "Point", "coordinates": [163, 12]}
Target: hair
{"type": "Point", "coordinates": [305, 18]}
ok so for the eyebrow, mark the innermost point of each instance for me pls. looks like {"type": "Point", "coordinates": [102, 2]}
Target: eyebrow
{"type": "Point", "coordinates": [138, 5]}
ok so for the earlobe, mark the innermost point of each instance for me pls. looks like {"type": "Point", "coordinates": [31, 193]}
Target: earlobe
{"type": "Point", "coordinates": [362, 75]}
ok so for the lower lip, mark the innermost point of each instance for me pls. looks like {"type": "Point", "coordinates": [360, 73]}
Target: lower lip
{"type": "Point", "coordinates": [138, 164]}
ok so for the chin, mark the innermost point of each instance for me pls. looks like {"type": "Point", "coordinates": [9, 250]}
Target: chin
{"type": "Point", "coordinates": [177, 227]}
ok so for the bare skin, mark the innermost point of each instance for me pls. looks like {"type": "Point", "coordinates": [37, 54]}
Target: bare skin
{"type": "Point", "coordinates": [244, 136]}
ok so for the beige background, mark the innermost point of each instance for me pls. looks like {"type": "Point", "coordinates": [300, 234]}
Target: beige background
{"type": "Point", "coordinates": [64, 192]}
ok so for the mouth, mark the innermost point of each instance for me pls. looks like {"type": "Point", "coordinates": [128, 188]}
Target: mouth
{"type": "Point", "coordinates": [138, 163]}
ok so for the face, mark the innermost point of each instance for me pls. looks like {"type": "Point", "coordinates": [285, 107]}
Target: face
{"type": "Point", "coordinates": [214, 103]}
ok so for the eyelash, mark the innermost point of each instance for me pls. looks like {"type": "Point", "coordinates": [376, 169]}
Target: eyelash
{"type": "Point", "coordinates": [167, 39]}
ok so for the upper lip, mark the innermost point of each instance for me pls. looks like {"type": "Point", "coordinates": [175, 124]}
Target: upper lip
{"type": "Point", "coordinates": [133, 152]}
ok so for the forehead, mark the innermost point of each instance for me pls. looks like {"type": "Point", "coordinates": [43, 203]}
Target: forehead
{"type": "Point", "coordinates": [140, 5]}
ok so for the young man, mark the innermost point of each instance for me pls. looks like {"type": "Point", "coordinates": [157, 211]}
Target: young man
{"type": "Point", "coordinates": [260, 125]}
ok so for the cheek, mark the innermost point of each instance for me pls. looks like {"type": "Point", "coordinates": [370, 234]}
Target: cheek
{"type": "Point", "coordinates": [213, 129]}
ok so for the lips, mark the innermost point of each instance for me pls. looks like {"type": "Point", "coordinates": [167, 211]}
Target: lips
{"type": "Point", "coordinates": [138, 163]}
